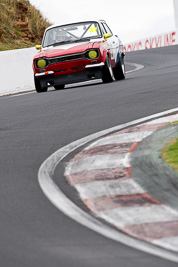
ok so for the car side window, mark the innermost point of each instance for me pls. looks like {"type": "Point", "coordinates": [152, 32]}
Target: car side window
{"type": "Point", "coordinates": [108, 30]}
{"type": "Point", "coordinates": [103, 29]}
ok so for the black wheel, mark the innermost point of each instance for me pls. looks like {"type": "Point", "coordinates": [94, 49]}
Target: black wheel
{"type": "Point", "coordinates": [38, 87]}
{"type": "Point", "coordinates": [58, 87]}
{"type": "Point", "coordinates": [107, 72]}
{"type": "Point", "coordinates": [119, 70]}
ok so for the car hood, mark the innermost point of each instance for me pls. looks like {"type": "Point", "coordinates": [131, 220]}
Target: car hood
{"type": "Point", "coordinates": [65, 49]}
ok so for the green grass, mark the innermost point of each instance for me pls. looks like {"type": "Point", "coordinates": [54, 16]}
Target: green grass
{"type": "Point", "coordinates": [170, 154]}
{"type": "Point", "coordinates": [11, 35]}
{"type": "Point", "coordinates": [15, 44]}
{"type": "Point", "coordinates": [174, 122]}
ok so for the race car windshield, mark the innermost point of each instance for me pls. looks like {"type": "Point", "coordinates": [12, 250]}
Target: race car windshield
{"type": "Point", "coordinates": [71, 33]}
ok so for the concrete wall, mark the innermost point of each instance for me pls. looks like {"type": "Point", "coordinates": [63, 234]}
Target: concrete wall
{"type": "Point", "coordinates": [16, 74]}
{"type": "Point", "coordinates": [166, 39]}
{"type": "Point", "coordinates": [176, 12]}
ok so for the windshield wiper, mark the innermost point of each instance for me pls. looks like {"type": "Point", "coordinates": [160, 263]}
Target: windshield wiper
{"type": "Point", "coordinates": [69, 41]}
{"type": "Point", "coordinates": [82, 40]}
{"type": "Point", "coordinates": [63, 42]}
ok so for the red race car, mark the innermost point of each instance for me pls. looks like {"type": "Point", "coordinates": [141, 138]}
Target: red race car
{"type": "Point", "coordinates": [78, 52]}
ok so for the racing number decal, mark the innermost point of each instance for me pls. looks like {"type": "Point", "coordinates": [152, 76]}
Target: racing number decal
{"type": "Point", "coordinates": [94, 29]}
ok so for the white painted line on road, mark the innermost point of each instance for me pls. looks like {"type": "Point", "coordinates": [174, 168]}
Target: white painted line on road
{"type": "Point", "coordinates": [168, 242]}
{"type": "Point", "coordinates": [165, 119]}
{"type": "Point", "coordinates": [65, 205]}
{"type": "Point", "coordinates": [137, 67]}
{"type": "Point", "coordinates": [24, 93]}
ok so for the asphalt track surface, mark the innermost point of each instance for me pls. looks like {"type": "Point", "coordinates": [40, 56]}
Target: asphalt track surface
{"type": "Point", "coordinates": [33, 126]}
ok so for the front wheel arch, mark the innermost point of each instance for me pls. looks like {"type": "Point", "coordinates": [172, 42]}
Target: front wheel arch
{"type": "Point", "coordinates": [107, 72]}
{"type": "Point", "coordinates": [119, 69]}
{"type": "Point", "coordinates": [38, 86]}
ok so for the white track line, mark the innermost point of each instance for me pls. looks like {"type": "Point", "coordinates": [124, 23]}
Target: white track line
{"type": "Point", "coordinates": [168, 242]}
{"type": "Point", "coordinates": [137, 67]}
{"type": "Point", "coordinates": [18, 94]}
{"type": "Point", "coordinates": [23, 93]}
{"type": "Point", "coordinates": [64, 204]}
{"type": "Point", "coordinates": [165, 119]}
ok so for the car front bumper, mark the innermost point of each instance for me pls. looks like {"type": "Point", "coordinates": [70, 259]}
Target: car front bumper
{"type": "Point", "coordinates": [92, 71]}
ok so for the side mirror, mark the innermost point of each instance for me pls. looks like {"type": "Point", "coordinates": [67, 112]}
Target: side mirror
{"type": "Point", "coordinates": [107, 35]}
{"type": "Point", "coordinates": [38, 47]}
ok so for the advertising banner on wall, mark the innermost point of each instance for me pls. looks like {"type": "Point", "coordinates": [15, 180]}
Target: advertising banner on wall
{"type": "Point", "coordinates": [166, 39]}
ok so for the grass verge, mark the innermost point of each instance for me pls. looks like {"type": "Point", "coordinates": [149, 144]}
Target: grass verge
{"type": "Point", "coordinates": [170, 154]}
{"type": "Point", "coordinates": [11, 16]}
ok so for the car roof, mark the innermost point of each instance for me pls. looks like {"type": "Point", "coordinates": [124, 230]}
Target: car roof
{"type": "Point", "coordinates": [76, 22]}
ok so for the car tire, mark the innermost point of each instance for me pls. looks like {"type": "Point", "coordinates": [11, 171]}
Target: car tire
{"type": "Point", "coordinates": [38, 87]}
{"type": "Point", "coordinates": [107, 72]}
{"type": "Point", "coordinates": [119, 70]}
{"type": "Point", "coordinates": [59, 87]}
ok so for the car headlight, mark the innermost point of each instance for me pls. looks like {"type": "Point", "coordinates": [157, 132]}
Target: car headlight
{"type": "Point", "coordinates": [41, 63]}
{"type": "Point", "coordinates": [92, 54]}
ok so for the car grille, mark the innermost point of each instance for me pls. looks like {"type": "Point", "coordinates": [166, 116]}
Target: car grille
{"type": "Point", "coordinates": [66, 58]}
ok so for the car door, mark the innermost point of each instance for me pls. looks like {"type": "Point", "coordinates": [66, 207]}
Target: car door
{"type": "Point", "coordinates": [113, 43]}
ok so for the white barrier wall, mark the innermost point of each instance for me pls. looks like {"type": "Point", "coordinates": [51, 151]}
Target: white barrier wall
{"type": "Point", "coordinates": [16, 74]}
{"type": "Point", "coordinates": [176, 12]}
{"type": "Point", "coordinates": [166, 39]}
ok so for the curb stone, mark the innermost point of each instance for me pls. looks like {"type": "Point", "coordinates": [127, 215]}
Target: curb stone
{"type": "Point", "coordinates": [107, 177]}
